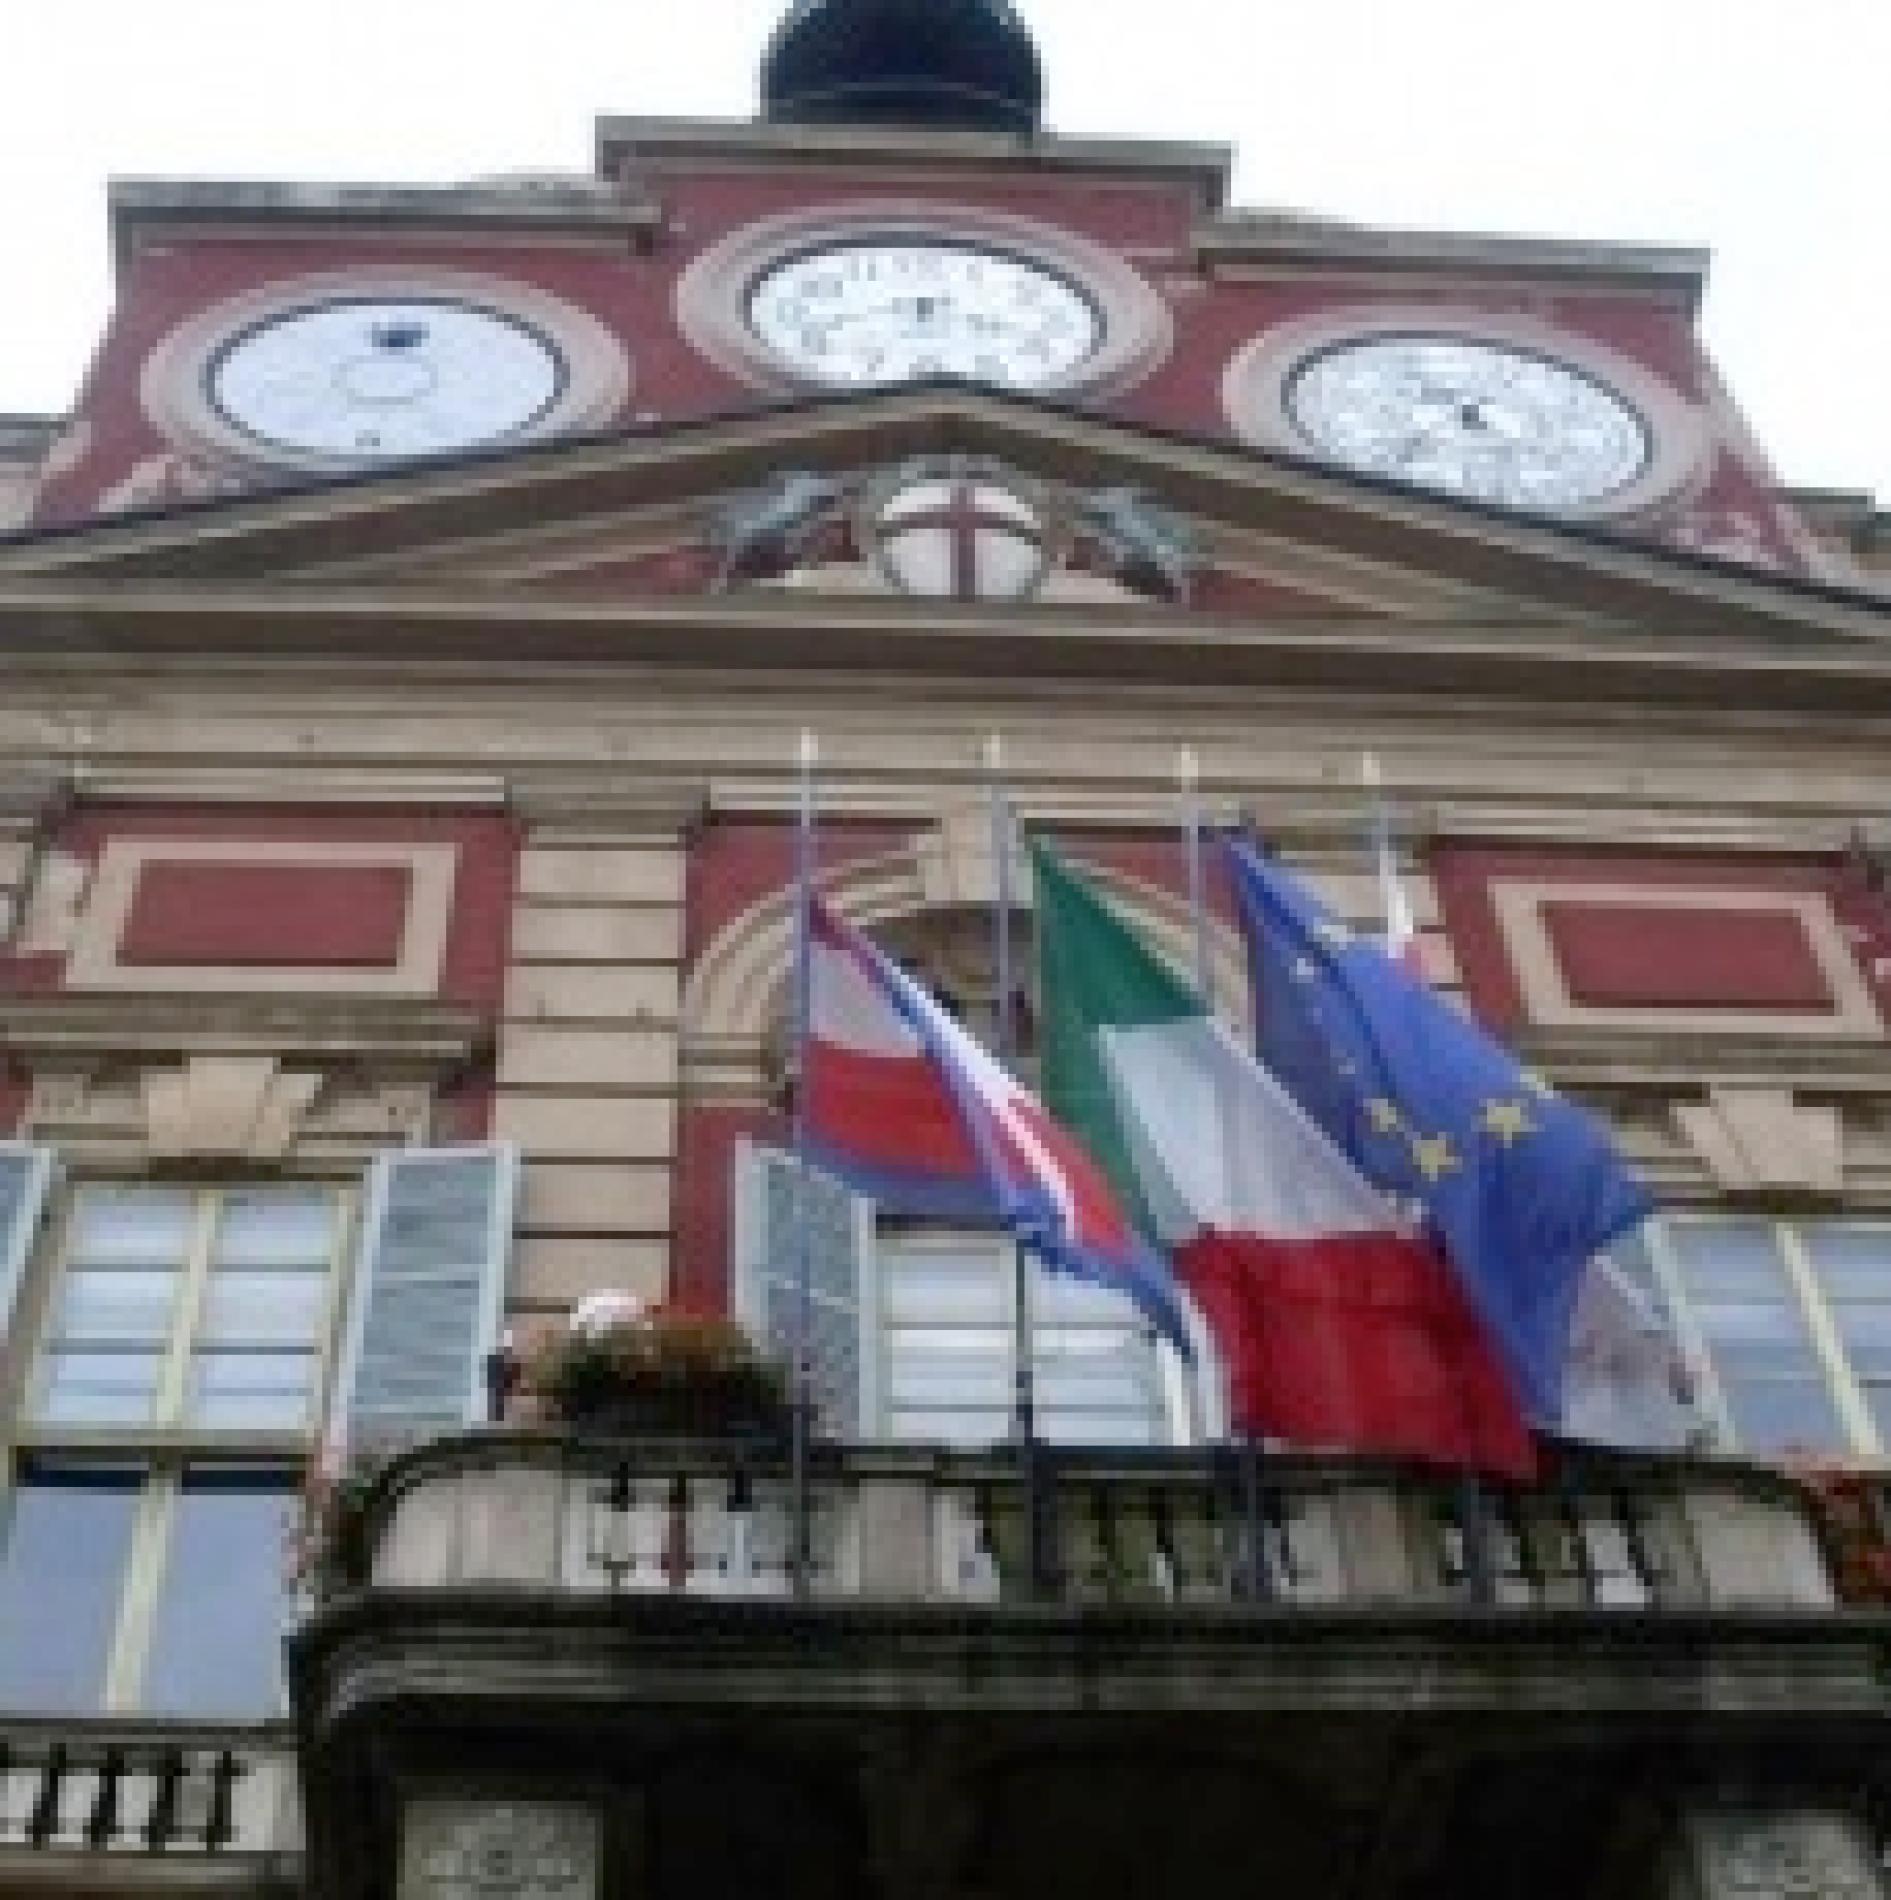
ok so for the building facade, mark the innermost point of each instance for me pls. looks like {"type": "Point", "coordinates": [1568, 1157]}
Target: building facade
{"type": "Point", "coordinates": [407, 639]}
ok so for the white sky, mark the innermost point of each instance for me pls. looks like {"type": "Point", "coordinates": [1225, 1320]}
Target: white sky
{"type": "Point", "coordinates": [1761, 128]}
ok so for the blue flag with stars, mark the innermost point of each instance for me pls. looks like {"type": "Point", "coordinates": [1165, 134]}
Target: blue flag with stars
{"type": "Point", "coordinates": [1520, 1187]}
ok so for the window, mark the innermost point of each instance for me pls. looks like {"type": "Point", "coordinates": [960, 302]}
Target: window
{"type": "Point", "coordinates": [914, 1329]}
{"type": "Point", "coordinates": [175, 1384]}
{"type": "Point", "coordinates": [947, 1348]}
{"type": "Point", "coordinates": [1789, 1321]}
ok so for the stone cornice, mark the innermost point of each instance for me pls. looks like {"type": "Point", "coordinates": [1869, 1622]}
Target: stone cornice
{"type": "Point", "coordinates": [632, 147]}
{"type": "Point", "coordinates": [1683, 1063]}
{"type": "Point", "coordinates": [1575, 569]}
{"type": "Point", "coordinates": [1728, 663]}
{"type": "Point", "coordinates": [608, 801]}
{"type": "Point", "coordinates": [144, 210]}
{"type": "Point", "coordinates": [1241, 242]}
{"type": "Point", "coordinates": [397, 1033]}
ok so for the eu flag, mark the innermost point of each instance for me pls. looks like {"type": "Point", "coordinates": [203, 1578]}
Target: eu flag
{"type": "Point", "coordinates": [1520, 1187]}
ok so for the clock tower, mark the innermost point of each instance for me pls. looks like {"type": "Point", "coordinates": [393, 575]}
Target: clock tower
{"type": "Point", "coordinates": [449, 631]}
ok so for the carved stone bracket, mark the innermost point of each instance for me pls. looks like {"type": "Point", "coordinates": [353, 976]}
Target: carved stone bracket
{"type": "Point", "coordinates": [1804, 1856]}
{"type": "Point", "coordinates": [1760, 1141]}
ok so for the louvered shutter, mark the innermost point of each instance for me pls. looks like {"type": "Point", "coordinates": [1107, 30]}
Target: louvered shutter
{"type": "Point", "coordinates": [771, 1201]}
{"type": "Point", "coordinates": [26, 1178]}
{"type": "Point", "coordinates": [429, 1291]}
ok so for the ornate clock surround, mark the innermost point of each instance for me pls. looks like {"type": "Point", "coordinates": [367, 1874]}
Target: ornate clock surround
{"type": "Point", "coordinates": [175, 389]}
{"type": "Point", "coordinates": [1257, 386]}
{"type": "Point", "coordinates": [712, 295]}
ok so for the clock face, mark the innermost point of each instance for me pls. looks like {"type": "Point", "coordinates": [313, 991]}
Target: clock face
{"type": "Point", "coordinates": [1483, 420]}
{"type": "Point", "coordinates": [367, 379]}
{"type": "Point", "coordinates": [884, 311]}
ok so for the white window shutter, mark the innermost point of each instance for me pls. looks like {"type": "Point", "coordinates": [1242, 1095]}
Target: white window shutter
{"type": "Point", "coordinates": [771, 1201]}
{"type": "Point", "coordinates": [26, 1178]}
{"type": "Point", "coordinates": [429, 1293]}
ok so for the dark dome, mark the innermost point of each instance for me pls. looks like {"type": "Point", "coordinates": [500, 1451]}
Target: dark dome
{"type": "Point", "coordinates": [963, 64]}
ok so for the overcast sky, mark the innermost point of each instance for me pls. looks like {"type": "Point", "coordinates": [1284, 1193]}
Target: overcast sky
{"type": "Point", "coordinates": [1761, 128]}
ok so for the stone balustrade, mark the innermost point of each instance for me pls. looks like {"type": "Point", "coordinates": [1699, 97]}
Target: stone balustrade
{"type": "Point", "coordinates": [1208, 1527]}
{"type": "Point", "coordinates": [74, 1794]}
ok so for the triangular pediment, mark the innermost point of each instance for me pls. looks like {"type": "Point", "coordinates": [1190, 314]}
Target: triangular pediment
{"type": "Point", "coordinates": [611, 516]}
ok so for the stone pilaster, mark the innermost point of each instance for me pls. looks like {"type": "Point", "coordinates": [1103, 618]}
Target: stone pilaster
{"type": "Point", "coordinates": [587, 1070]}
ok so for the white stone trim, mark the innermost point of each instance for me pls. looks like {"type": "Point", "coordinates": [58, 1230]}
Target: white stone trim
{"type": "Point", "coordinates": [1254, 386]}
{"type": "Point", "coordinates": [174, 388]}
{"type": "Point", "coordinates": [711, 294]}
{"type": "Point", "coordinates": [1548, 1002]}
{"type": "Point", "coordinates": [93, 964]}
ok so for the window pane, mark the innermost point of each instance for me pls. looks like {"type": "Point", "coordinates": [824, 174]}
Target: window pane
{"type": "Point", "coordinates": [124, 1303]}
{"type": "Point", "coordinates": [933, 1286]}
{"type": "Point", "coordinates": [1066, 1427]}
{"type": "Point", "coordinates": [1878, 1399]}
{"type": "Point", "coordinates": [249, 1307]}
{"type": "Point", "coordinates": [131, 1227]}
{"type": "Point", "coordinates": [216, 1636]}
{"type": "Point", "coordinates": [279, 1228]}
{"type": "Point", "coordinates": [1739, 1258]}
{"type": "Point", "coordinates": [67, 1536]}
{"type": "Point", "coordinates": [1785, 1415]}
{"type": "Point", "coordinates": [1851, 1262]}
{"type": "Point", "coordinates": [254, 1391]}
{"type": "Point", "coordinates": [1866, 1331]}
{"type": "Point", "coordinates": [949, 1368]}
{"type": "Point", "coordinates": [97, 1388]}
{"type": "Point", "coordinates": [967, 1428]}
{"type": "Point", "coordinates": [1757, 1338]}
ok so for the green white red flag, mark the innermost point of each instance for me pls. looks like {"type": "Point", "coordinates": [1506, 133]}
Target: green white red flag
{"type": "Point", "coordinates": [1339, 1325]}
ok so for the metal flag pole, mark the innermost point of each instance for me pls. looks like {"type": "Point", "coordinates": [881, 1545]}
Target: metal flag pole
{"type": "Point", "coordinates": [1257, 1580]}
{"type": "Point", "coordinates": [1475, 1519]}
{"type": "Point", "coordinates": [803, 1390]}
{"type": "Point", "coordinates": [1024, 1371]}
{"type": "Point", "coordinates": [1188, 776]}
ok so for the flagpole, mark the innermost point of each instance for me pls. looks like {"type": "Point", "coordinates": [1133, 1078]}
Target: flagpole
{"type": "Point", "coordinates": [1188, 776]}
{"type": "Point", "coordinates": [803, 1391]}
{"type": "Point", "coordinates": [1024, 1371]}
{"type": "Point", "coordinates": [1474, 1509]}
{"type": "Point", "coordinates": [1259, 1581]}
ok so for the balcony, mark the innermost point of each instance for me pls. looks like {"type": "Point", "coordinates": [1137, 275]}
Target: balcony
{"type": "Point", "coordinates": [1177, 1530]}
{"type": "Point", "coordinates": [190, 1809]}
{"type": "Point", "coordinates": [987, 1677]}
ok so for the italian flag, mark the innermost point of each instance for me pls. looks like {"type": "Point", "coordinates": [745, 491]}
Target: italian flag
{"type": "Point", "coordinates": [1339, 1325]}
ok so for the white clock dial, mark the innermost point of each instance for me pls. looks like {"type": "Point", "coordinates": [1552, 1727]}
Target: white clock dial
{"type": "Point", "coordinates": [886, 311]}
{"type": "Point", "coordinates": [368, 379]}
{"type": "Point", "coordinates": [1483, 420]}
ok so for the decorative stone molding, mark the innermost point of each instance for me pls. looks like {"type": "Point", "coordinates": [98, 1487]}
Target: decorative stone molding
{"type": "Point", "coordinates": [376, 1033]}
{"type": "Point", "coordinates": [735, 989]}
{"type": "Point", "coordinates": [481, 1850]}
{"type": "Point", "coordinates": [245, 1108]}
{"type": "Point", "coordinates": [1756, 1141]}
{"type": "Point", "coordinates": [1745, 1856]}
{"type": "Point", "coordinates": [94, 961]}
{"type": "Point", "coordinates": [607, 803]}
{"type": "Point", "coordinates": [1523, 914]}
{"type": "Point", "coordinates": [226, 1108]}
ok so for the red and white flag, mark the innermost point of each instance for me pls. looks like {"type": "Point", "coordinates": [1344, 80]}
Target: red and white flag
{"type": "Point", "coordinates": [902, 1103]}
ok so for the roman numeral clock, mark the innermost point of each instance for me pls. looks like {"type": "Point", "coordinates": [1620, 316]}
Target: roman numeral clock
{"type": "Point", "coordinates": [861, 295]}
